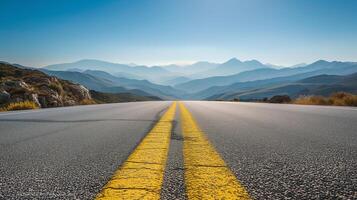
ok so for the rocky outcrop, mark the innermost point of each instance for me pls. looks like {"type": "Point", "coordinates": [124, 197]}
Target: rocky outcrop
{"type": "Point", "coordinates": [4, 97]}
{"type": "Point", "coordinates": [17, 85]}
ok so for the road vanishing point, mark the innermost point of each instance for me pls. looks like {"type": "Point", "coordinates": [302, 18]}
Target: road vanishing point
{"type": "Point", "coordinates": [179, 150]}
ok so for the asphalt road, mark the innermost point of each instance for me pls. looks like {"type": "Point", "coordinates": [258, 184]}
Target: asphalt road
{"type": "Point", "coordinates": [69, 153]}
{"type": "Point", "coordinates": [275, 151]}
{"type": "Point", "coordinates": [285, 151]}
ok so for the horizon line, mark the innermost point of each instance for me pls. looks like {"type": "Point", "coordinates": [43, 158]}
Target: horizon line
{"type": "Point", "coordinates": [178, 63]}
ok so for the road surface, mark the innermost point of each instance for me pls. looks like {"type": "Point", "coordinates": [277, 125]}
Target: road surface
{"type": "Point", "coordinates": [273, 151]}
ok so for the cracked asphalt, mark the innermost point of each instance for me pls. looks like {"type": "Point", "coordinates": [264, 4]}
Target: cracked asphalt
{"type": "Point", "coordinates": [275, 151]}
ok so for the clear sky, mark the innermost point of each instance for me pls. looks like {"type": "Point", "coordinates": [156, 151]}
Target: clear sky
{"type": "Point", "coordinates": [285, 32]}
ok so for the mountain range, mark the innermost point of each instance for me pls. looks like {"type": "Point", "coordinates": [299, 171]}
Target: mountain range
{"type": "Point", "coordinates": [316, 68]}
{"type": "Point", "coordinates": [202, 80]}
{"type": "Point", "coordinates": [323, 85]}
{"type": "Point", "coordinates": [105, 82]}
{"type": "Point", "coordinates": [25, 88]}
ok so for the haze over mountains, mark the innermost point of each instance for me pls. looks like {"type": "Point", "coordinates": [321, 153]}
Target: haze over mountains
{"type": "Point", "coordinates": [204, 80]}
{"type": "Point", "coordinates": [162, 74]}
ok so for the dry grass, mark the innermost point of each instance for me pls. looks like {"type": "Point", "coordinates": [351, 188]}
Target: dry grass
{"type": "Point", "coordinates": [311, 100]}
{"type": "Point", "coordinates": [343, 99]}
{"type": "Point", "coordinates": [88, 102]}
{"type": "Point", "coordinates": [25, 105]}
{"type": "Point", "coordinates": [336, 99]}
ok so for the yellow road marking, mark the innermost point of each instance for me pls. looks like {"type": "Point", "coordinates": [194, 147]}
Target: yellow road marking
{"type": "Point", "coordinates": [206, 174]}
{"type": "Point", "coordinates": [141, 176]}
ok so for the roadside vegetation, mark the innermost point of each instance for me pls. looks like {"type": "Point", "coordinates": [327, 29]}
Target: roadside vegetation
{"type": "Point", "coordinates": [24, 105]}
{"type": "Point", "coordinates": [336, 99]}
{"type": "Point", "coordinates": [87, 102]}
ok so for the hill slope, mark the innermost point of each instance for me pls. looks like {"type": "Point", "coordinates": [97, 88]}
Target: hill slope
{"type": "Point", "coordinates": [105, 82]}
{"type": "Point", "coordinates": [166, 92]}
{"type": "Point", "coordinates": [323, 85]}
{"type": "Point", "coordinates": [21, 84]}
{"type": "Point", "coordinates": [92, 82]}
{"type": "Point", "coordinates": [101, 97]}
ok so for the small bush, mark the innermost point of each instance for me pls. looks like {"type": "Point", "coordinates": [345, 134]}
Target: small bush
{"type": "Point", "coordinates": [24, 105]}
{"type": "Point", "coordinates": [87, 102]}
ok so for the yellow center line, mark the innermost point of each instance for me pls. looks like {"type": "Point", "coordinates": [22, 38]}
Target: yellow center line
{"type": "Point", "coordinates": [206, 174]}
{"type": "Point", "coordinates": [141, 176]}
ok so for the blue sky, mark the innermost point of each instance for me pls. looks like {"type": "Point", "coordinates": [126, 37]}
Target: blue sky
{"type": "Point", "coordinates": [285, 32]}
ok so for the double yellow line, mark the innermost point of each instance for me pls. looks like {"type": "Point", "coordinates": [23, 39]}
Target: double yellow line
{"type": "Point", "coordinates": [206, 174]}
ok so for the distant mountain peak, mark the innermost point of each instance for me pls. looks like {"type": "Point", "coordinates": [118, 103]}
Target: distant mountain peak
{"type": "Point", "coordinates": [232, 61]}
{"type": "Point", "coordinates": [321, 62]}
{"type": "Point", "coordinates": [255, 62]}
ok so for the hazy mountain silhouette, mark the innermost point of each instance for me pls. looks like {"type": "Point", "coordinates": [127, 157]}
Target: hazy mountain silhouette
{"type": "Point", "coordinates": [232, 66]}
{"type": "Point", "coordinates": [162, 91]}
{"type": "Point", "coordinates": [323, 85]}
{"type": "Point", "coordinates": [105, 82]}
{"type": "Point", "coordinates": [93, 83]}
{"type": "Point", "coordinates": [144, 72]}
{"type": "Point", "coordinates": [194, 68]}
{"type": "Point", "coordinates": [157, 81]}
{"type": "Point", "coordinates": [316, 68]}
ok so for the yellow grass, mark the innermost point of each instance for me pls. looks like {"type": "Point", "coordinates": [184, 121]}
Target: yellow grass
{"type": "Point", "coordinates": [311, 100]}
{"type": "Point", "coordinates": [343, 99]}
{"type": "Point", "coordinates": [336, 99]}
{"type": "Point", "coordinates": [87, 102]}
{"type": "Point", "coordinates": [24, 105]}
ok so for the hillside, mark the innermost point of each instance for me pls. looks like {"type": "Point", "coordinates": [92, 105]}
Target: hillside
{"type": "Point", "coordinates": [242, 86]}
{"type": "Point", "coordinates": [165, 92]}
{"type": "Point", "coordinates": [323, 85]}
{"type": "Point", "coordinates": [101, 97]}
{"type": "Point", "coordinates": [20, 84]}
{"type": "Point", "coordinates": [94, 83]}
